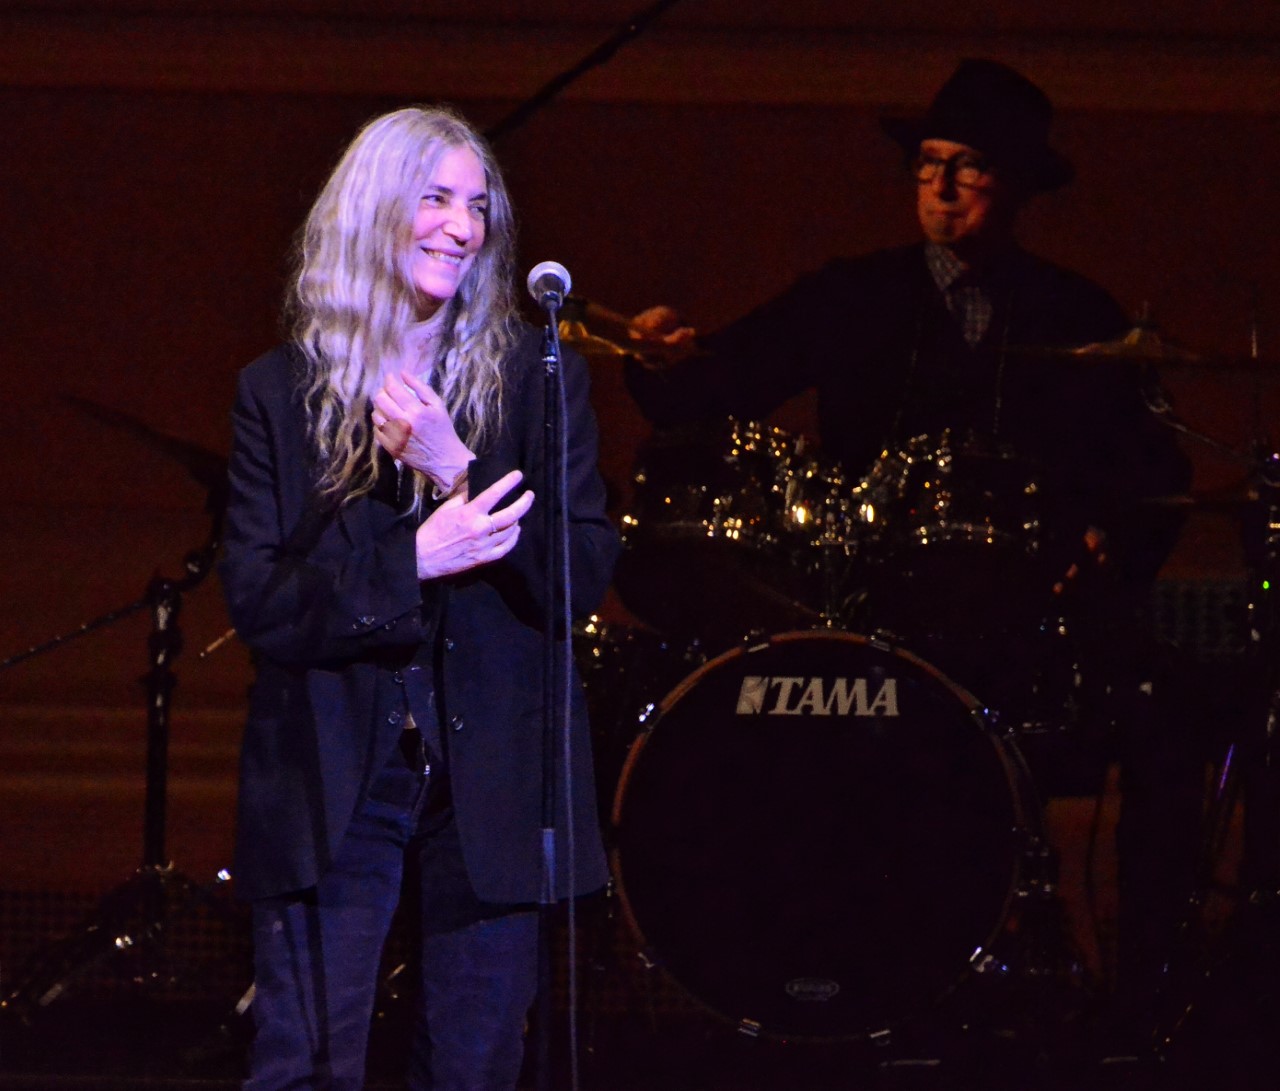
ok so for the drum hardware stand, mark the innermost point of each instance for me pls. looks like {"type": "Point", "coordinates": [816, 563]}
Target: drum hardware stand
{"type": "Point", "coordinates": [1046, 953]}
{"type": "Point", "coordinates": [1030, 985]}
{"type": "Point", "coordinates": [135, 917]}
{"type": "Point", "coordinates": [1046, 950]}
{"type": "Point", "coordinates": [838, 606]}
{"type": "Point", "coordinates": [1037, 970]}
{"type": "Point", "coordinates": [1246, 957]}
{"type": "Point", "coordinates": [1248, 773]}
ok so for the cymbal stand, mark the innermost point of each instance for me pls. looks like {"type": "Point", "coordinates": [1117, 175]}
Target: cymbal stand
{"type": "Point", "coordinates": [1250, 768]}
{"type": "Point", "coordinates": [131, 922]}
{"type": "Point", "coordinates": [1248, 772]}
{"type": "Point", "coordinates": [1162, 409]}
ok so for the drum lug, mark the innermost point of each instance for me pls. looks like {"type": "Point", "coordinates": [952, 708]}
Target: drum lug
{"type": "Point", "coordinates": [882, 640]}
{"type": "Point", "coordinates": [984, 962]}
{"type": "Point", "coordinates": [995, 721]}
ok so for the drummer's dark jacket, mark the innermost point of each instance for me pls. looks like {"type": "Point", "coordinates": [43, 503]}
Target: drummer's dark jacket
{"type": "Point", "coordinates": [888, 360]}
{"type": "Point", "coordinates": [346, 641]}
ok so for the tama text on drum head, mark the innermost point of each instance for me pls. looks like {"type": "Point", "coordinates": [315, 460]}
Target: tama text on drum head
{"type": "Point", "coordinates": [790, 695]}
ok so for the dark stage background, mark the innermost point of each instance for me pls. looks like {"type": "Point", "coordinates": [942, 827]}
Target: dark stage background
{"type": "Point", "coordinates": [156, 158]}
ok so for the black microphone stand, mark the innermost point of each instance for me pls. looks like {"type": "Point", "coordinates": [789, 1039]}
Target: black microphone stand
{"type": "Point", "coordinates": [132, 921]}
{"type": "Point", "coordinates": [555, 696]}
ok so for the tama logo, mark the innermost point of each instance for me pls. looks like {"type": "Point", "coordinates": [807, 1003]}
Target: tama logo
{"type": "Point", "coordinates": [798, 696]}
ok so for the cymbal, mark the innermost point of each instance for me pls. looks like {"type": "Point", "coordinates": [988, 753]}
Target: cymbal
{"type": "Point", "coordinates": [1144, 345]}
{"type": "Point", "coordinates": [1143, 342]}
{"type": "Point", "coordinates": [1229, 498]}
{"type": "Point", "coordinates": [591, 345]}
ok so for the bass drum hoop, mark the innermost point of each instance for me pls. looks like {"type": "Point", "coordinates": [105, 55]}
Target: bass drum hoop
{"type": "Point", "coordinates": [814, 1023]}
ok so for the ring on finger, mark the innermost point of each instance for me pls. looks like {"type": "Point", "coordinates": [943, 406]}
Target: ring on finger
{"type": "Point", "coordinates": [493, 527]}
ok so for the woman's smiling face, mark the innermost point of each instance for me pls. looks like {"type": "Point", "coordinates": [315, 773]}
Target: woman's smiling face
{"type": "Point", "coordinates": [448, 228]}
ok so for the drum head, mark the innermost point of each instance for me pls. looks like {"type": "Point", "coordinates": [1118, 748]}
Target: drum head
{"type": "Point", "coordinates": [818, 835]}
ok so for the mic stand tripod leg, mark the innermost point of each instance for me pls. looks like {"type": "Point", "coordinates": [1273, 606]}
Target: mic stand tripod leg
{"type": "Point", "coordinates": [128, 926]}
{"type": "Point", "coordinates": [132, 922]}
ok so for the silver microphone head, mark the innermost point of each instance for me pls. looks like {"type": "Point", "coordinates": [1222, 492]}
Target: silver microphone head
{"type": "Point", "coordinates": [548, 278]}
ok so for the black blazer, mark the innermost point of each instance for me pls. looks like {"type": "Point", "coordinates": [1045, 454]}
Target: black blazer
{"type": "Point", "coordinates": [331, 607]}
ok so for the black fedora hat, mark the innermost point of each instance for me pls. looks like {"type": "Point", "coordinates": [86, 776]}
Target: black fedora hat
{"type": "Point", "coordinates": [1001, 113]}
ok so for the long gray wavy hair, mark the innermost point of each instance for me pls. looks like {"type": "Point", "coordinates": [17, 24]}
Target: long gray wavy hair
{"type": "Point", "coordinates": [352, 298]}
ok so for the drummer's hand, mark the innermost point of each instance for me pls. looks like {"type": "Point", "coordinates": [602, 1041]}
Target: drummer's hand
{"type": "Point", "coordinates": [661, 326]}
{"type": "Point", "coordinates": [463, 534]}
{"type": "Point", "coordinates": [412, 423]}
{"type": "Point", "coordinates": [1095, 541]}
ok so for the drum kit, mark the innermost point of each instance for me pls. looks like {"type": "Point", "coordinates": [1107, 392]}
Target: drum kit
{"type": "Point", "coordinates": [824, 821]}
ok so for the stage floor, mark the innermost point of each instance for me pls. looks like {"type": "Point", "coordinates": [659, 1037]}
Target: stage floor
{"type": "Point", "coordinates": [1017, 1036]}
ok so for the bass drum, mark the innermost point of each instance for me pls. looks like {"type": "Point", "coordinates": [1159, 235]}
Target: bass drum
{"type": "Point", "coordinates": [819, 836]}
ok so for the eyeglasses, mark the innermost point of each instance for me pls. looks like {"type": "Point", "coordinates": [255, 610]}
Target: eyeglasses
{"type": "Point", "coordinates": [963, 169]}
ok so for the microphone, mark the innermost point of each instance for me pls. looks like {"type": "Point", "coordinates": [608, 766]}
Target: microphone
{"type": "Point", "coordinates": [549, 282]}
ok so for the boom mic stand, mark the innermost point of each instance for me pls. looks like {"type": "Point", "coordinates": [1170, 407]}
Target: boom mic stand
{"type": "Point", "coordinates": [132, 921]}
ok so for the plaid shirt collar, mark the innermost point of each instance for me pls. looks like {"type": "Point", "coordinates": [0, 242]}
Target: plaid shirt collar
{"type": "Point", "coordinates": [944, 266]}
{"type": "Point", "coordinates": [967, 297]}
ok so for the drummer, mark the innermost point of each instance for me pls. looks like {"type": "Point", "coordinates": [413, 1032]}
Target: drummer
{"type": "Point", "coordinates": [933, 337]}
{"type": "Point", "coordinates": [917, 339]}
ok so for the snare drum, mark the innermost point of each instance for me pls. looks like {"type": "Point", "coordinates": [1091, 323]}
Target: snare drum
{"type": "Point", "coordinates": [820, 836]}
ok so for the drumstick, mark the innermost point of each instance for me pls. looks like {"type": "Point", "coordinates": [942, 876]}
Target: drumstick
{"type": "Point", "coordinates": [595, 312]}
{"type": "Point", "coordinates": [217, 643]}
